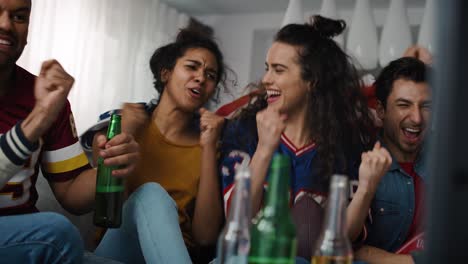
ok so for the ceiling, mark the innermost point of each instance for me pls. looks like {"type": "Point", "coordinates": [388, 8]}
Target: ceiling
{"type": "Point", "coordinates": [207, 7]}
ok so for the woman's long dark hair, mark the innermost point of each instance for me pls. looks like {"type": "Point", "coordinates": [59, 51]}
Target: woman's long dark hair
{"type": "Point", "coordinates": [338, 117]}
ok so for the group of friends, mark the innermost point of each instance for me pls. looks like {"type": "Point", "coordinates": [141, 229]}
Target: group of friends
{"type": "Point", "coordinates": [179, 159]}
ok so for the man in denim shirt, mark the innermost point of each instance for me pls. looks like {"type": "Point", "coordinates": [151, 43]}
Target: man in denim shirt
{"type": "Point", "coordinates": [396, 211]}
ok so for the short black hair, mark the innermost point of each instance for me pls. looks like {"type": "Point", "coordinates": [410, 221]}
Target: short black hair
{"type": "Point", "coordinates": [406, 68]}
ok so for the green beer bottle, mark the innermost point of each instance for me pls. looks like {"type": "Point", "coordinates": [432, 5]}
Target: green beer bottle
{"type": "Point", "coordinates": [109, 189]}
{"type": "Point", "coordinates": [273, 234]}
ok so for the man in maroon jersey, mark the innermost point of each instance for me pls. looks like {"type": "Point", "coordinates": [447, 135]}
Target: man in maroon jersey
{"type": "Point", "coordinates": [37, 130]}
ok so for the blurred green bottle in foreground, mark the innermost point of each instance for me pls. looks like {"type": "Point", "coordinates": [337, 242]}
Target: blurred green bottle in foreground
{"type": "Point", "coordinates": [273, 234]}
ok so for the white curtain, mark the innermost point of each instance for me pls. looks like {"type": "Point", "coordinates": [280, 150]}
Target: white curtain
{"type": "Point", "coordinates": [105, 44]}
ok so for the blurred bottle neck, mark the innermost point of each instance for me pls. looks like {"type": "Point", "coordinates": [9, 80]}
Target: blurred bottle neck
{"type": "Point", "coordinates": [335, 216]}
{"type": "Point", "coordinates": [239, 214]}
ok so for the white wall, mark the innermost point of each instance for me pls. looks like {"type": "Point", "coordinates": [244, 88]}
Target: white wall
{"type": "Point", "coordinates": [235, 35]}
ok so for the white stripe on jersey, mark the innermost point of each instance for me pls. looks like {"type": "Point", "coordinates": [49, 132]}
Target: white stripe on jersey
{"type": "Point", "coordinates": [15, 137]}
{"type": "Point", "coordinates": [226, 197]}
{"type": "Point", "coordinates": [63, 153]}
{"type": "Point", "coordinates": [11, 142]}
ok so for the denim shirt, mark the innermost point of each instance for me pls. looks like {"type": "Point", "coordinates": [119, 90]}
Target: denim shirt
{"type": "Point", "coordinates": [392, 208]}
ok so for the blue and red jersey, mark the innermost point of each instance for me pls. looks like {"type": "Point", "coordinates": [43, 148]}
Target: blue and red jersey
{"type": "Point", "coordinates": [239, 144]}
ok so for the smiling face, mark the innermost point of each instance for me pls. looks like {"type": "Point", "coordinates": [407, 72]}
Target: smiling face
{"type": "Point", "coordinates": [14, 22]}
{"type": "Point", "coordinates": [192, 81]}
{"type": "Point", "coordinates": [406, 118]}
{"type": "Point", "coordinates": [283, 81]}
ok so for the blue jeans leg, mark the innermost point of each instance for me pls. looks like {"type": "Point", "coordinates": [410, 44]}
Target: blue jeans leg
{"type": "Point", "coordinates": [91, 258]}
{"type": "Point", "coordinates": [150, 230]}
{"type": "Point", "coordinates": [39, 238]}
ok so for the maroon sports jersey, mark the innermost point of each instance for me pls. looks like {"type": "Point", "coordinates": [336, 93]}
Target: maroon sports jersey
{"type": "Point", "coordinates": [59, 154]}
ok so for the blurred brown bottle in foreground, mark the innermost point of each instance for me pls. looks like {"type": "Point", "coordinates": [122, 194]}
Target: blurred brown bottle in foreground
{"type": "Point", "coordinates": [333, 246]}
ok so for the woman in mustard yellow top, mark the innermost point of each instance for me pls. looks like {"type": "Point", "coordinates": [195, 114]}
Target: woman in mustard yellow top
{"type": "Point", "coordinates": [178, 160]}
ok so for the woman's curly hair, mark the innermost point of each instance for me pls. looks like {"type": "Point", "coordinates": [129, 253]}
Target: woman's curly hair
{"type": "Point", "coordinates": [338, 117]}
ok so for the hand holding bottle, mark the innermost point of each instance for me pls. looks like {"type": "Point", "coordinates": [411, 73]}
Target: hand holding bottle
{"type": "Point", "coordinates": [121, 150]}
{"type": "Point", "coordinates": [109, 189]}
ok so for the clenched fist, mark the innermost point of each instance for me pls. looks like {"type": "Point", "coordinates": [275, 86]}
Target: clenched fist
{"type": "Point", "coordinates": [270, 125]}
{"type": "Point", "coordinates": [211, 126]}
{"type": "Point", "coordinates": [51, 89]}
{"type": "Point", "coordinates": [374, 164]}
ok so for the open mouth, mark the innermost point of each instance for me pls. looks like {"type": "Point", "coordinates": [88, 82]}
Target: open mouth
{"type": "Point", "coordinates": [412, 134]}
{"type": "Point", "coordinates": [195, 92]}
{"type": "Point", "coordinates": [272, 95]}
{"type": "Point", "coordinates": [5, 42]}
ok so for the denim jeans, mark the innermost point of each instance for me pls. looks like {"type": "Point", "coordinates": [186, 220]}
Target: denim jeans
{"type": "Point", "coordinates": [91, 258]}
{"type": "Point", "coordinates": [149, 232]}
{"type": "Point", "coordinates": [39, 238]}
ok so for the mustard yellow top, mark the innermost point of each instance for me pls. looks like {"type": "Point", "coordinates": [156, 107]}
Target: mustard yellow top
{"type": "Point", "coordinates": [175, 167]}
